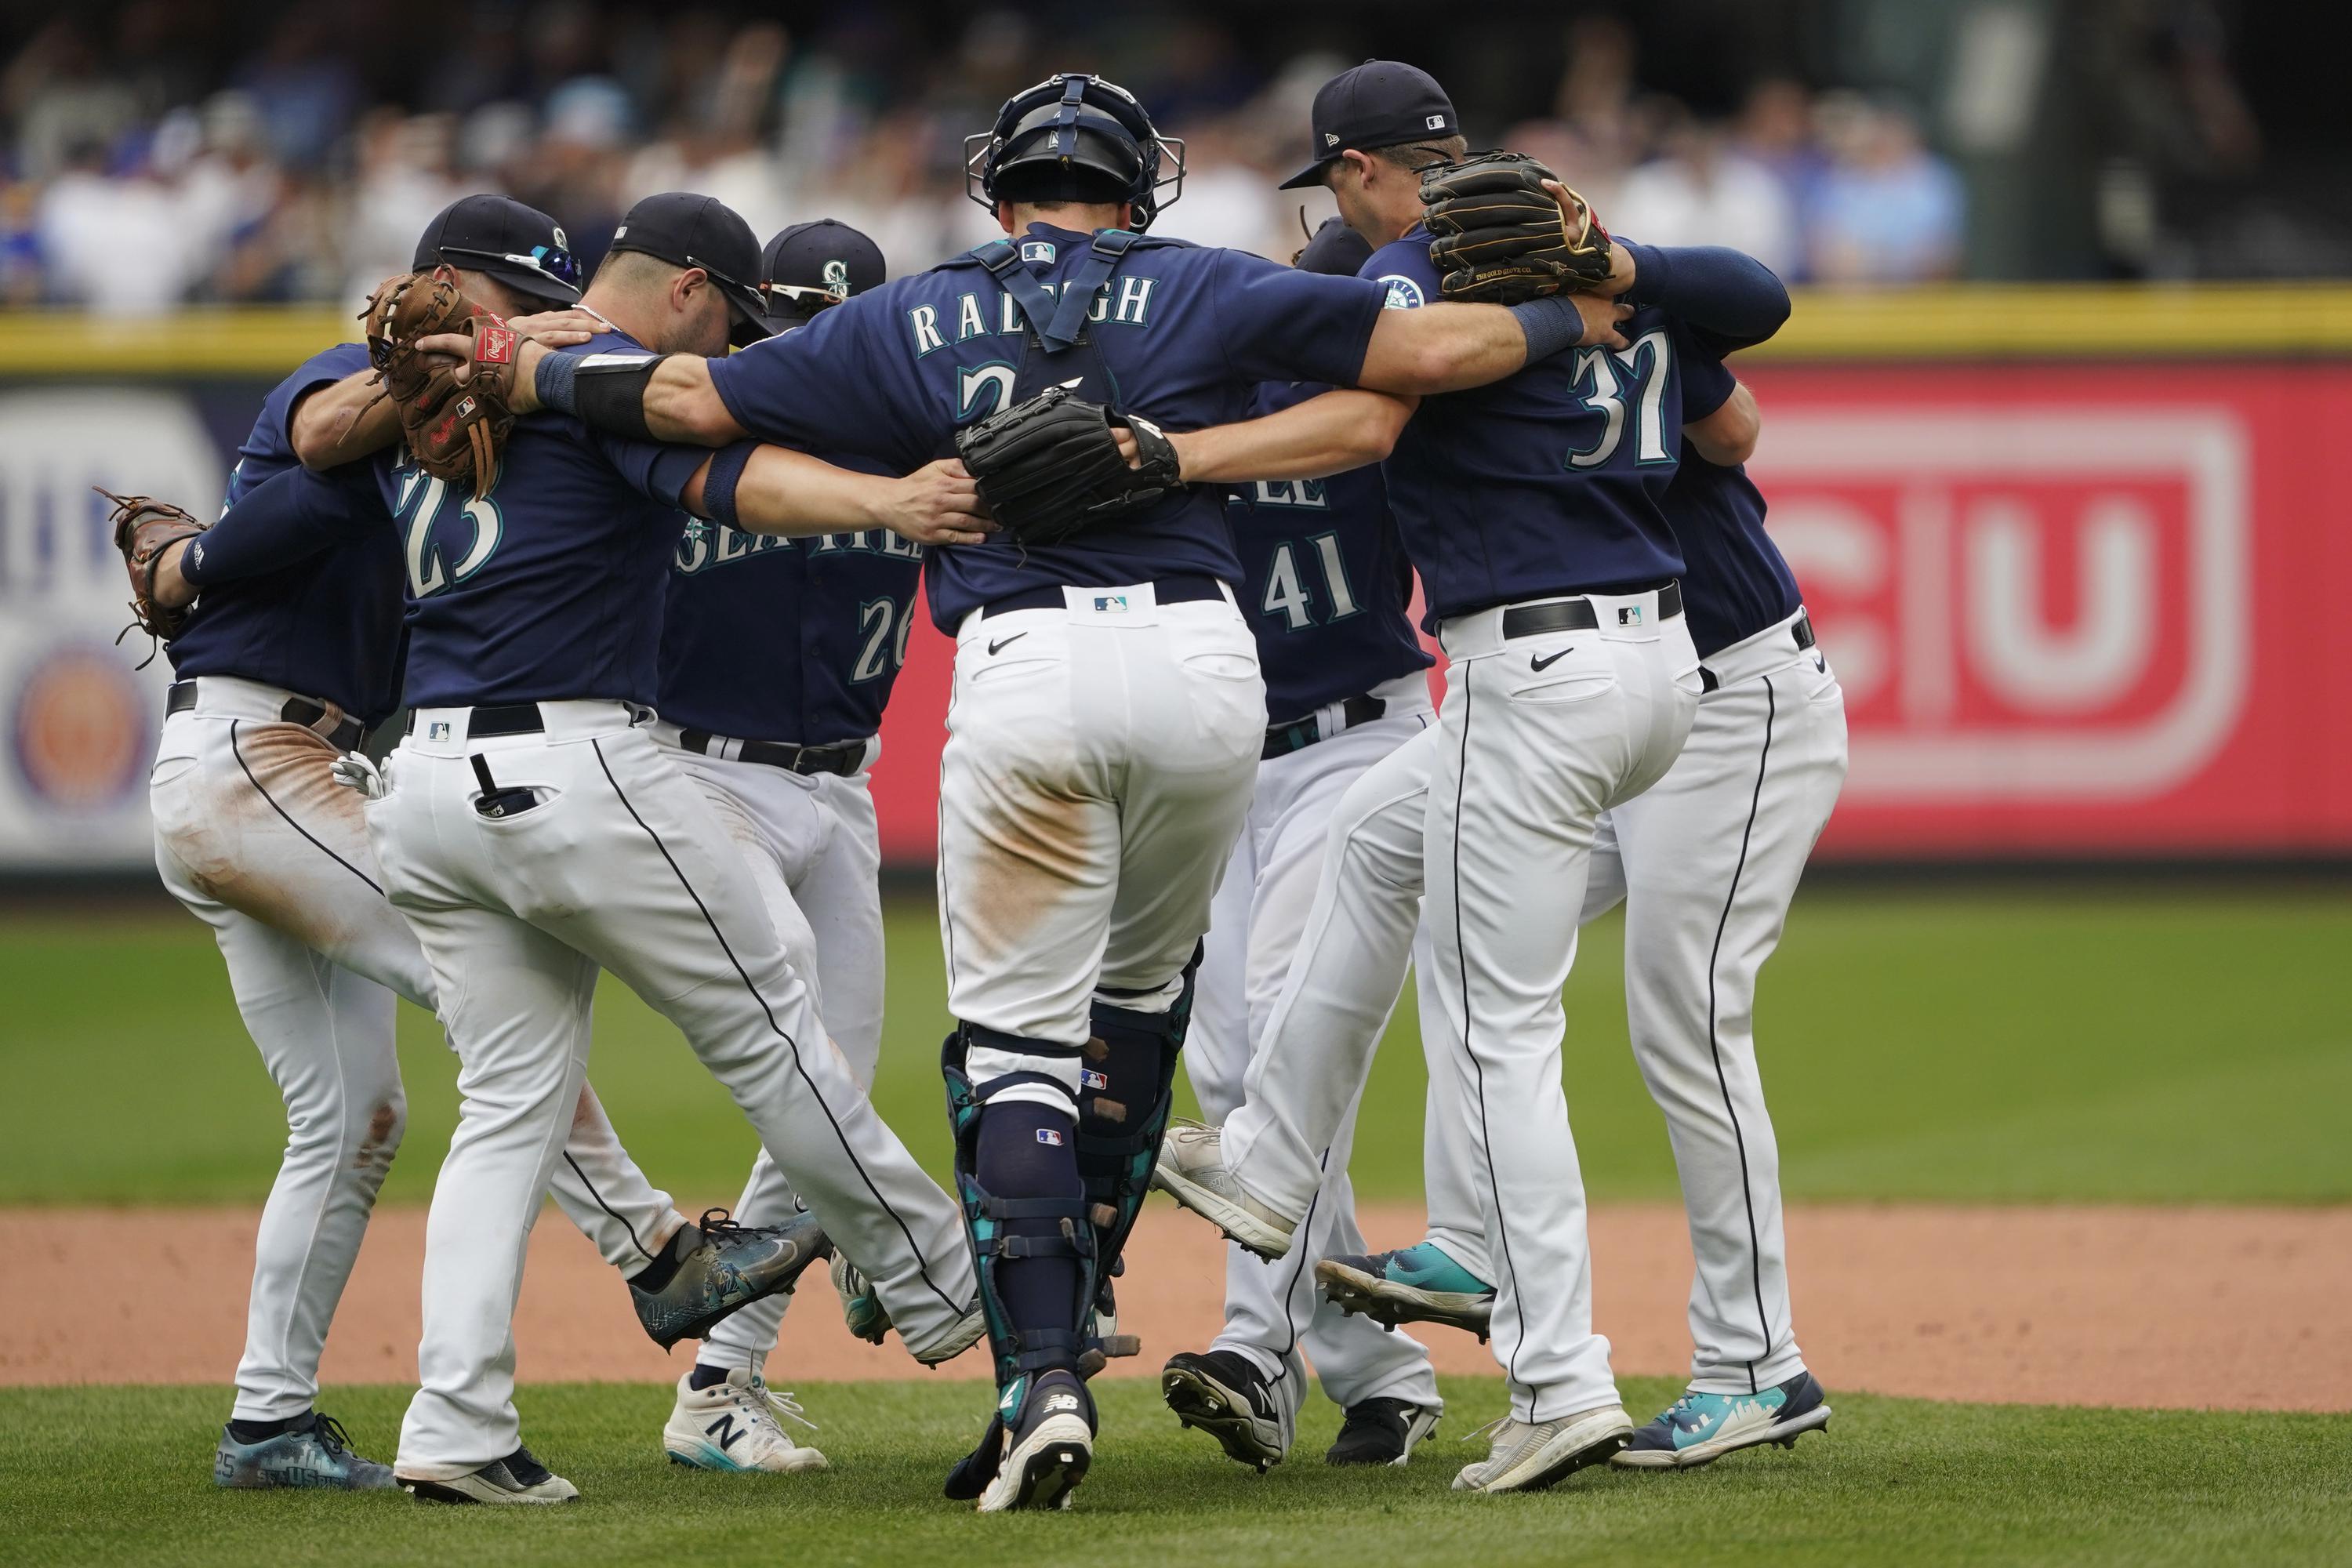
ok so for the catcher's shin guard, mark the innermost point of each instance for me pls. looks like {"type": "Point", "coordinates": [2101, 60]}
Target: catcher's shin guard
{"type": "Point", "coordinates": [1008, 1228]}
{"type": "Point", "coordinates": [1126, 1091]}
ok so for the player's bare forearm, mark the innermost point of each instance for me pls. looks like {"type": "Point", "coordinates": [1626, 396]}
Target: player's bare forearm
{"type": "Point", "coordinates": [785, 493]}
{"type": "Point", "coordinates": [681, 405]}
{"type": "Point", "coordinates": [343, 422]}
{"type": "Point", "coordinates": [1311, 440]}
{"type": "Point", "coordinates": [173, 591]}
{"type": "Point", "coordinates": [1727, 436]}
{"type": "Point", "coordinates": [670, 398]}
{"type": "Point", "coordinates": [1448, 348]}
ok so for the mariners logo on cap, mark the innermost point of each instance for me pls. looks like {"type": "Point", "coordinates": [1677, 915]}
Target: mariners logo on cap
{"type": "Point", "coordinates": [561, 243]}
{"type": "Point", "coordinates": [836, 279]}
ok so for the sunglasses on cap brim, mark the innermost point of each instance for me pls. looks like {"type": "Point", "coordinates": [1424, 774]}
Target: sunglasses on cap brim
{"type": "Point", "coordinates": [798, 297]}
{"type": "Point", "coordinates": [744, 303]}
{"type": "Point", "coordinates": [552, 262]}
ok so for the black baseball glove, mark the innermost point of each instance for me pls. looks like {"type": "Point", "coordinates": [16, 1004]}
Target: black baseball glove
{"type": "Point", "coordinates": [1500, 239]}
{"type": "Point", "coordinates": [1050, 469]}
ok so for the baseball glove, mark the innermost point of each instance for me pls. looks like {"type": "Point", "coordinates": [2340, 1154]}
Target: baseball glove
{"type": "Point", "coordinates": [1050, 469]}
{"type": "Point", "coordinates": [454, 432]}
{"type": "Point", "coordinates": [1500, 239]}
{"type": "Point", "coordinates": [144, 528]}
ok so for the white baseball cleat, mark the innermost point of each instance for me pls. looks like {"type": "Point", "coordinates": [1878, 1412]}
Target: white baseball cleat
{"type": "Point", "coordinates": [738, 1425]}
{"type": "Point", "coordinates": [1047, 1450]}
{"type": "Point", "coordinates": [1528, 1459]}
{"type": "Point", "coordinates": [517, 1479]}
{"type": "Point", "coordinates": [1192, 1170]}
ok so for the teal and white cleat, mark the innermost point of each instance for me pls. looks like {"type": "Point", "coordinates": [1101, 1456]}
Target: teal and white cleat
{"type": "Point", "coordinates": [737, 1426]}
{"type": "Point", "coordinates": [316, 1454]}
{"type": "Point", "coordinates": [1701, 1427]}
{"type": "Point", "coordinates": [1418, 1284]}
{"type": "Point", "coordinates": [861, 1309]}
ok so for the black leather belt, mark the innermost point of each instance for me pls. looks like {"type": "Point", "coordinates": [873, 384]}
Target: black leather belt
{"type": "Point", "coordinates": [842, 757]}
{"type": "Point", "coordinates": [1183, 589]}
{"type": "Point", "coordinates": [499, 719]}
{"type": "Point", "coordinates": [1281, 739]}
{"type": "Point", "coordinates": [1802, 633]}
{"type": "Point", "coordinates": [1578, 615]}
{"type": "Point", "coordinates": [181, 696]}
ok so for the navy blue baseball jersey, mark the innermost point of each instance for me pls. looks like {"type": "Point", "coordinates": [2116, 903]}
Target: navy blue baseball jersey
{"type": "Point", "coordinates": [549, 587]}
{"type": "Point", "coordinates": [1544, 483]}
{"type": "Point", "coordinates": [1324, 581]}
{"type": "Point", "coordinates": [767, 638]}
{"type": "Point", "coordinates": [1736, 582]}
{"type": "Point", "coordinates": [1185, 333]}
{"type": "Point", "coordinates": [329, 626]}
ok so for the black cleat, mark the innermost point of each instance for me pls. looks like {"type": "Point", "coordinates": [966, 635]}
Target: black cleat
{"type": "Point", "coordinates": [723, 1267]}
{"type": "Point", "coordinates": [1380, 1432]}
{"type": "Point", "coordinates": [1224, 1396]}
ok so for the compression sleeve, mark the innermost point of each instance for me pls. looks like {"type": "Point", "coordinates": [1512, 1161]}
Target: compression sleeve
{"type": "Point", "coordinates": [286, 519]}
{"type": "Point", "coordinates": [1721, 291]}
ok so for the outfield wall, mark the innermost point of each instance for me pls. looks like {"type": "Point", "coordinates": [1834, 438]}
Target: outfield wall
{"type": "Point", "coordinates": [2079, 555]}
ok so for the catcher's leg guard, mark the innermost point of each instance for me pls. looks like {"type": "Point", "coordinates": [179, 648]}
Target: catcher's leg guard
{"type": "Point", "coordinates": [1032, 1247]}
{"type": "Point", "coordinates": [1127, 1088]}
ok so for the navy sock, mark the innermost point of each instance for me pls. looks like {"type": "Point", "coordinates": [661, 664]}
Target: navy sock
{"type": "Point", "coordinates": [664, 1268]}
{"type": "Point", "coordinates": [1031, 1151]}
{"type": "Point", "coordinates": [706, 1376]}
{"type": "Point", "coordinates": [262, 1431]}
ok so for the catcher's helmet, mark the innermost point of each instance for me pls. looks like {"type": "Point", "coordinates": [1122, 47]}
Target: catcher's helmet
{"type": "Point", "coordinates": [1075, 137]}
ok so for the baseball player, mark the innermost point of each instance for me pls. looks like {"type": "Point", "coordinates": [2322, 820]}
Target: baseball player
{"type": "Point", "coordinates": [1531, 510]}
{"type": "Point", "coordinates": [1705, 861]}
{"type": "Point", "coordinates": [533, 837]}
{"type": "Point", "coordinates": [784, 757]}
{"type": "Point", "coordinates": [1108, 715]}
{"type": "Point", "coordinates": [278, 673]}
{"type": "Point", "coordinates": [1327, 588]}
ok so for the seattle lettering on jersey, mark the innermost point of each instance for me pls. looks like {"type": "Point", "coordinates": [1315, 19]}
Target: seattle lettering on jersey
{"type": "Point", "coordinates": [706, 546]}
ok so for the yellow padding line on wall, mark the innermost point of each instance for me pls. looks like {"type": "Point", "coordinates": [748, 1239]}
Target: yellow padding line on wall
{"type": "Point", "coordinates": [1964, 322]}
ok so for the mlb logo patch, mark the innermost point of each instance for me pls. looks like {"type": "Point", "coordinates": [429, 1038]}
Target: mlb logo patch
{"type": "Point", "coordinates": [1040, 251]}
{"type": "Point", "coordinates": [1089, 1078]}
{"type": "Point", "coordinates": [1436, 122]}
{"type": "Point", "coordinates": [1050, 1137]}
{"type": "Point", "coordinates": [1110, 604]}
{"type": "Point", "coordinates": [436, 730]}
{"type": "Point", "coordinates": [1629, 615]}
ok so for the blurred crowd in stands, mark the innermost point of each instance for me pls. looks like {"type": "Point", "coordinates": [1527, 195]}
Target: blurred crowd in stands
{"type": "Point", "coordinates": [144, 166]}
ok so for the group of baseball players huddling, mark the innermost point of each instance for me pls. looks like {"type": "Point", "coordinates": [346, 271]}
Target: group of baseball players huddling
{"type": "Point", "coordinates": [1169, 501]}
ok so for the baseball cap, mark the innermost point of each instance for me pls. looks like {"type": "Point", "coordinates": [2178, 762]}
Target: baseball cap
{"type": "Point", "coordinates": [1380, 104]}
{"type": "Point", "coordinates": [687, 230]}
{"type": "Point", "coordinates": [1334, 248]}
{"type": "Point", "coordinates": [518, 245]}
{"type": "Point", "coordinates": [813, 265]}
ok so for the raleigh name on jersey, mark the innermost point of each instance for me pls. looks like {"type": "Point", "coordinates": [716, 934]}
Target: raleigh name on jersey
{"type": "Point", "coordinates": [328, 626]}
{"type": "Point", "coordinates": [1325, 581]}
{"type": "Point", "coordinates": [1546, 482]}
{"type": "Point", "coordinates": [769, 638]}
{"type": "Point", "coordinates": [1180, 332]}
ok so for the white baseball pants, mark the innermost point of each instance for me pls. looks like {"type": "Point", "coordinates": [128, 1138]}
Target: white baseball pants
{"type": "Point", "coordinates": [1706, 861]}
{"type": "Point", "coordinates": [1098, 764]}
{"type": "Point", "coordinates": [813, 846]}
{"type": "Point", "coordinates": [622, 865]}
{"type": "Point", "coordinates": [254, 836]}
{"type": "Point", "coordinates": [1273, 1312]}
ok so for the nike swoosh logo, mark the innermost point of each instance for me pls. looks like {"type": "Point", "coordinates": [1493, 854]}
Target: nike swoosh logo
{"type": "Point", "coordinates": [1543, 664]}
{"type": "Point", "coordinates": [1008, 641]}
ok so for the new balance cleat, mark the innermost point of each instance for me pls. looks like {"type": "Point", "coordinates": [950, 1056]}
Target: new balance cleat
{"type": "Point", "coordinates": [1528, 1459]}
{"type": "Point", "coordinates": [1048, 1444]}
{"type": "Point", "coordinates": [1380, 1432]}
{"type": "Point", "coordinates": [724, 1266]}
{"type": "Point", "coordinates": [1192, 1170]}
{"type": "Point", "coordinates": [1418, 1284]}
{"type": "Point", "coordinates": [737, 1426]}
{"type": "Point", "coordinates": [1700, 1427]}
{"type": "Point", "coordinates": [1225, 1396]}
{"type": "Point", "coordinates": [316, 1454]}
{"type": "Point", "coordinates": [517, 1479]}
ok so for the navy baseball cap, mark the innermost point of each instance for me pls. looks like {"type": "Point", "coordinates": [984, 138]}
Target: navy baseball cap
{"type": "Point", "coordinates": [1380, 104]}
{"type": "Point", "coordinates": [813, 265]}
{"type": "Point", "coordinates": [1334, 249]}
{"type": "Point", "coordinates": [687, 230]}
{"type": "Point", "coordinates": [520, 246]}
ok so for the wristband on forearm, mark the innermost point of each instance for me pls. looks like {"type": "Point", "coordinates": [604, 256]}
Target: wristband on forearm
{"type": "Point", "coordinates": [605, 391]}
{"type": "Point", "coordinates": [1551, 325]}
{"type": "Point", "coordinates": [721, 479]}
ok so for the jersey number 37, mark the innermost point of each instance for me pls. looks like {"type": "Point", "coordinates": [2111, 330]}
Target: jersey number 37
{"type": "Point", "coordinates": [430, 525]}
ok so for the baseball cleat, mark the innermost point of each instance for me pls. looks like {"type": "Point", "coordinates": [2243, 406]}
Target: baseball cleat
{"type": "Point", "coordinates": [317, 1454]}
{"type": "Point", "coordinates": [1528, 1459]}
{"type": "Point", "coordinates": [726, 1266]}
{"type": "Point", "coordinates": [1049, 1443]}
{"type": "Point", "coordinates": [735, 1425]}
{"type": "Point", "coordinates": [1418, 1284]}
{"type": "Point", "coordinates": [1223, 1394]}
{"type": "Point", "coordinates": [967, 1332]}
{"type": "Point", "coordinates": [861, 1309]}
{"type": "Point", "coordinates": [1192, 1170]}
{"type": "Point", "coordinates": [517, 1479]}
{"type": "Point", "coordinates": [1701, 1427]}
{"type": "Point", "coordinates": [1380, 1432]}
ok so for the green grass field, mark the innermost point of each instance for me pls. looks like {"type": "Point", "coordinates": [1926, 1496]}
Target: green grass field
{"type": "Point", "coordinates": [2190, 1045]}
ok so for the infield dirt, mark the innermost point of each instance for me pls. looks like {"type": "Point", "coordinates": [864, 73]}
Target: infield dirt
{"type": "Point", "coordinates": [2201, 1307]}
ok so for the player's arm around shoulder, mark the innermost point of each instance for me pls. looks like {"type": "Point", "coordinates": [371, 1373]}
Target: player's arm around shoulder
{"type": "Point", "coordinates": [1727, 436]}
{"type": "Point", "coordinates": [1420, 345]}
{"type": "Point", "coordinates": [763, 489]}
